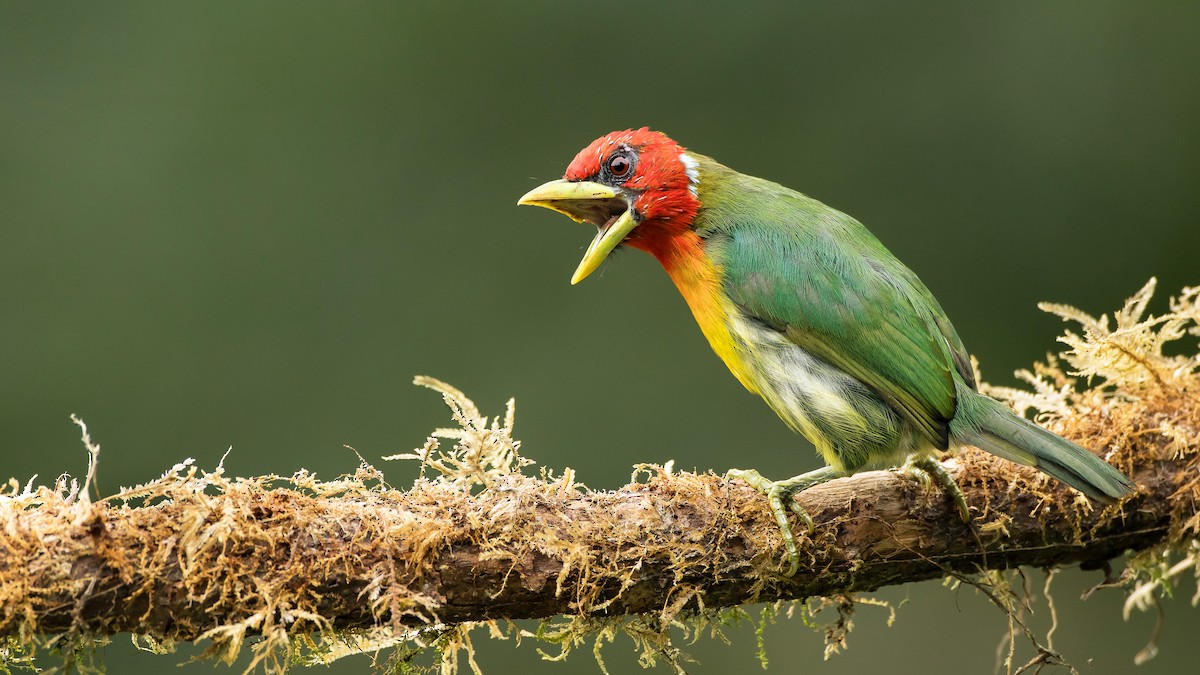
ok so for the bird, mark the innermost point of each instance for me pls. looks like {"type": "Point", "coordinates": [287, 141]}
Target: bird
{"type": "Point", "coordinates": [810, 311]}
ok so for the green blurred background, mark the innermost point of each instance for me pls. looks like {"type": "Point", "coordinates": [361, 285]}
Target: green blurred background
{"type": "Point", "coordinates": [249, 225]}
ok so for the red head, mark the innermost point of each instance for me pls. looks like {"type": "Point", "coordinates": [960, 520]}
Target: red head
{"type": "Point", "coordinates": [652, 171]}
{"type": "Point", "coordinates": [638, 187]}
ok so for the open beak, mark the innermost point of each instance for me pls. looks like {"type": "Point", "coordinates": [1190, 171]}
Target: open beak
{"type": "Point", "coordinates": [585, 201]}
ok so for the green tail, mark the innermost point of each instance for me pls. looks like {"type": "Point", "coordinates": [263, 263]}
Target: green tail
{"type": "Point", "coordinates": [992, 426]}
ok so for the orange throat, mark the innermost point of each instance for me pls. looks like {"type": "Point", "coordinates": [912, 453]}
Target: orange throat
{"type": "Point", "coordinates": [699, 281]}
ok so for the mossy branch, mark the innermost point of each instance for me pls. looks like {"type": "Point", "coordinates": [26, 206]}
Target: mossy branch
{"type": "Point", "coordinates": [197, 555]}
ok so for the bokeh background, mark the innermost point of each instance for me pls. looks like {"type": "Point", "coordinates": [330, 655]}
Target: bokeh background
{"type": "Point", "coordinates": [249, 225]}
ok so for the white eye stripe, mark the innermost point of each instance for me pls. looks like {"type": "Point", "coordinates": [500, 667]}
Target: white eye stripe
{"type": "Point", "coordinates": [692, 168]}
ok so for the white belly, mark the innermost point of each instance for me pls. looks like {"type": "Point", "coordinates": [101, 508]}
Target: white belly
{"type": "Point", "coordinates": [851, 426]}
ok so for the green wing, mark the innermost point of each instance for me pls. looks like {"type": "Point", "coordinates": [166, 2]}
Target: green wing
{"type": "Point", "coordinates": [820, 278]}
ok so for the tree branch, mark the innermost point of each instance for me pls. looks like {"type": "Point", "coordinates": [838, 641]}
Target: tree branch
{"type": "Point", "coordinates": [199, 555]}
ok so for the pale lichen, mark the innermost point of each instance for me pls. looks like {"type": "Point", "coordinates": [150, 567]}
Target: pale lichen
{"type": "Point", "coordinates": [1133, 389]}
{"type": "Point", "coordinates": [485, 450]}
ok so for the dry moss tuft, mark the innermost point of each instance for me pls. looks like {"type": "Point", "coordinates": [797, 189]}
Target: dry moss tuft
{"type": "Point", "coordinates": [1142, 405]}
{"type": "Point", "coordinates": [299, 571]}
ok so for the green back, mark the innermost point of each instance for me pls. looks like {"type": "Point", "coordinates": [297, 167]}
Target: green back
{"type": "Point", "coordinates": [819, 277]}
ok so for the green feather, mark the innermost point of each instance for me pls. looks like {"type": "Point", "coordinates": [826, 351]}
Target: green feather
{"type": "Point", "coordinates": [820, 278]}
{"type": "Point", "coordinates": [814, 277]}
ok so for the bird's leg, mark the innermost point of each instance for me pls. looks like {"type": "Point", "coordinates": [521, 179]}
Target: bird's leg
{"type": "Point", "coordinates": [928, 467]}
{"type": "Point", "coordinates": [781, 492]}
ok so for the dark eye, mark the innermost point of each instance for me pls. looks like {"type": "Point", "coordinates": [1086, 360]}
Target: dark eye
{"type": "Point", "coordinates": [619, 166]}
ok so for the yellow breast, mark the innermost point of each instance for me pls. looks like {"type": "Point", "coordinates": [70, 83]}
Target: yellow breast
{"type": "Point", "coordinates": [699, 282]}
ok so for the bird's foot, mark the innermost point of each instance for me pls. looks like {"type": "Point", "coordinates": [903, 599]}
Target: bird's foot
{"type": "Point", "coordinates": [779, 494]}
{"type": "Point", "coordinates": [926, 468]}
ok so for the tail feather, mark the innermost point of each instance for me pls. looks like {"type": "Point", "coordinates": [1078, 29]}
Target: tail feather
{"type": "Point", "coordinates": [991, 426]}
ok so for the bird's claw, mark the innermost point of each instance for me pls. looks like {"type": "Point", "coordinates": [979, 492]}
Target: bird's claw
{"type": "Point", "coordinates": [801, 514]}
{"type": "Point", "coordinates": [777, 494]}
{"type": "Point", "coordinates": [927, 468]}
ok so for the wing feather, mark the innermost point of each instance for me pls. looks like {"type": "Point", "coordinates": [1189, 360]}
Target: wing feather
{"type": "Point", "coordinates": [835, 291]}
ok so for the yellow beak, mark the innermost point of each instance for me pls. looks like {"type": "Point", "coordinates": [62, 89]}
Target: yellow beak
{"type": "Point", "coordinates": [585, 201]}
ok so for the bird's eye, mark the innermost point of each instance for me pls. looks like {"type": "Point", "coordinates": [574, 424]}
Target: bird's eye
{"type": "Point", "coordinates": [619, 166]}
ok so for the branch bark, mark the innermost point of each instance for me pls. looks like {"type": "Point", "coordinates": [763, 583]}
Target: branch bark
{"type": "Point", "coordinates": [194, 553]}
